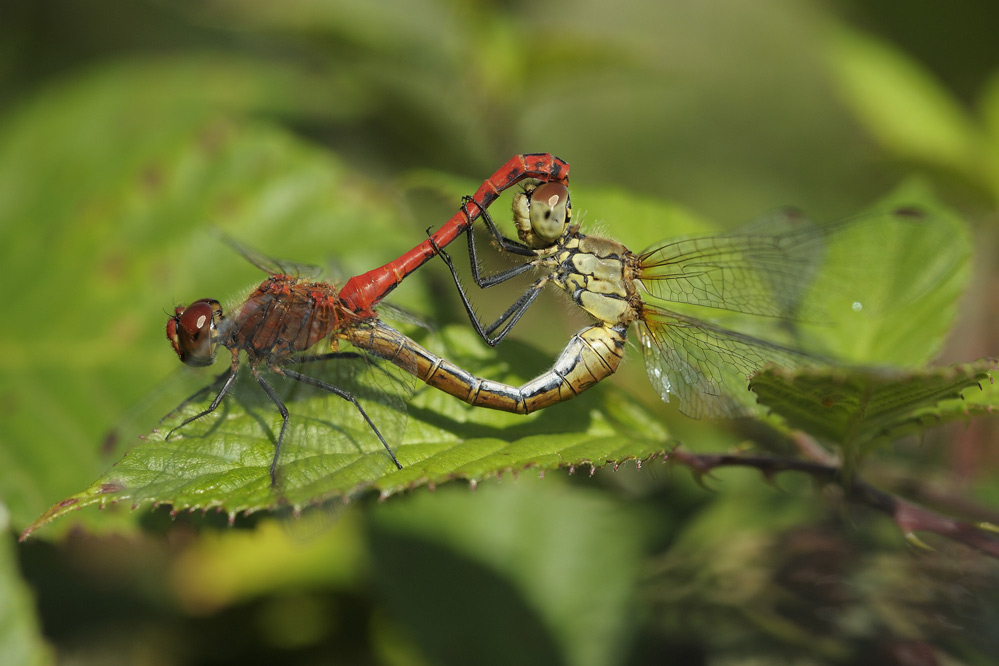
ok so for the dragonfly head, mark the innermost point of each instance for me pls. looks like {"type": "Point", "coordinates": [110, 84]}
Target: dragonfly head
{"type": "Point", "coordinates": [542, 214]}
{"type": "Point", "coordinates": [193, 331]}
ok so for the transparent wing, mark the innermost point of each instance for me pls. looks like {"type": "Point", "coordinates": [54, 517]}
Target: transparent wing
{"type": "Point", "coordinates": [270, 264]}
{"type": "Point", "coordinates": [705, 367]}
{"type": "Point", "coordinates": [772, 266]}
{"type": "Point", "coordinates": [761, 269]}
{"type": "Point", "coordinates": [403, 316]}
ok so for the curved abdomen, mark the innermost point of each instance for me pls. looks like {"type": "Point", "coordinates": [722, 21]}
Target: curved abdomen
{"type": "Point", "coordinates": [591, 355]}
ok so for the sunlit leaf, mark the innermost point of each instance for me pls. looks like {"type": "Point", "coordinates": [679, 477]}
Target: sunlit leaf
{"type": "Point", "coordinates": [888, 288]}
{"type": "Point", "coordinates": [858, 410]}
{"type": "Point", "coordinates": [222, 461]}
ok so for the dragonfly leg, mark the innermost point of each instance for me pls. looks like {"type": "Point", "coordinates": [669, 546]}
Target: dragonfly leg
{"type": "Point", "coordinates": [505, 243]}
{"type": "Point", "coordinates": [272, 394]}
{"type": "Point", "coordinates": [216, 383]}
{"type": "Point", "coordinates": [512, 315]}
{"type": "Point", "coordinates": [481, 281]}
{"type": "Point", "coordinates": [336, 390]}
{"type": "Point", "coordinates": [230, 379]}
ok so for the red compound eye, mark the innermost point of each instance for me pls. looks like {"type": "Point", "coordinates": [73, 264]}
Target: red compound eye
{"type": "Point", "coordinates": [192, 331]}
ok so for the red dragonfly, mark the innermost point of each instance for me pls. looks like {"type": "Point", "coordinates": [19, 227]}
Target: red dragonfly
{"type": "Point", "coordinates": [286, 315]}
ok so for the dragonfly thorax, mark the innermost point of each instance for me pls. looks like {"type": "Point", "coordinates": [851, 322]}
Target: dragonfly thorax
{"type": "Point", "coordinates": [283, 316]}
{"type": "Point", "coordinates": [598, 274]}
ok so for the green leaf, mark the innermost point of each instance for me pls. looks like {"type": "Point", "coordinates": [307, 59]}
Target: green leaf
{"type": "Point", "coordinates": [226, 567]}
{"type": "Point", "coordinates": [144, 164]}
{"type": "Point", "coordinates": [888, 288]}
{"type": "Point", "coordinates": [20, 636]}
{"type": "Point", "coordinates": [222, 461]}
{"type": "Point", "coordinates": [861, 409]}
{"type": "Point", "coordinates": [907, 110]}
{"type": "Point", "coordinates": [562, 563]}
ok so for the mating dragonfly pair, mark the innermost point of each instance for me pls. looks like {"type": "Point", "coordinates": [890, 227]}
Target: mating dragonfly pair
{"type": "Point", "coordinates": [764, 271]}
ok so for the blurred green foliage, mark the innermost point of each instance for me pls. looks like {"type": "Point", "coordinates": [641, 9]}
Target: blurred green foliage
{"type": "Point", "coordinates": [113, 113]}
{"type": "Point", "coordinates": [19, 632]}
